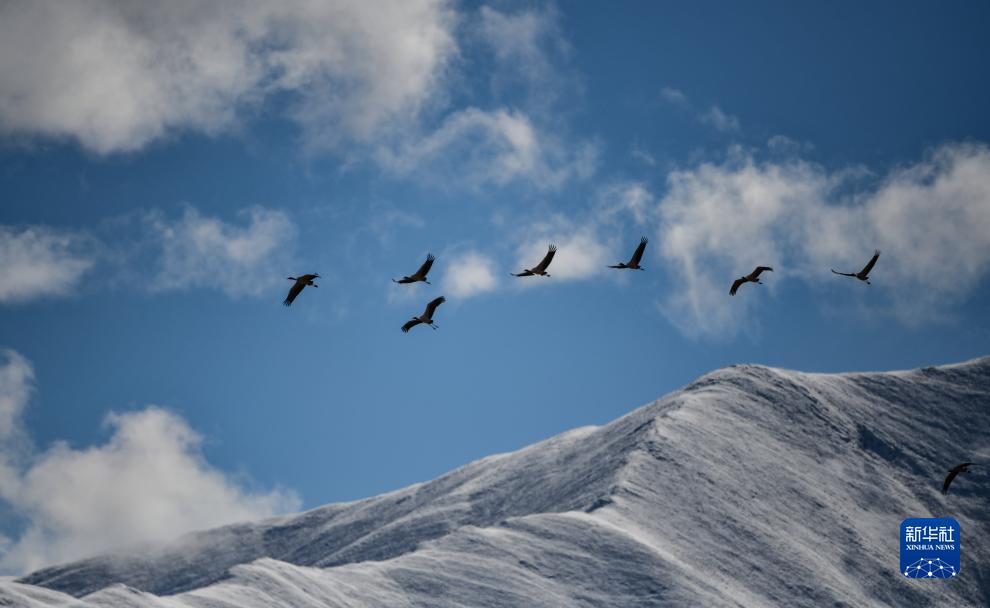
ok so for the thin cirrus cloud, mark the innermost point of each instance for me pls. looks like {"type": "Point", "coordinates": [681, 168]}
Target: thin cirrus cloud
{"type": "Point", "coordinates": [718, 221]}
{"type": "Point", "coordinates": [713, 116]}
{"type": "Point", "coordinates": [477, 148]}
{"type": "Point", "coordinates": [148, 482]}
{"type": "Point", "coordinates": [40, 261]}
{"type": "Point", "coordinates": [115, 76]}
{"type": "Point", "coordinates": [241, 257]}
{"type": "Point", "coordinates": [531, 55]}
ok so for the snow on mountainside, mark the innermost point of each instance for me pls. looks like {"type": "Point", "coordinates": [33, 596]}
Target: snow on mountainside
{"type": "Point", "coordinates": [751, 486]}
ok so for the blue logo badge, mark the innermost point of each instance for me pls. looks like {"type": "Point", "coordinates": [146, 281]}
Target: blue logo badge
{"type": "Point", "coordinates": [930, 547]}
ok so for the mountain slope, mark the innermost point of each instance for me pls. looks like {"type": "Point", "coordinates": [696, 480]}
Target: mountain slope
{"type": "Point", "coordinates": [750, 487]}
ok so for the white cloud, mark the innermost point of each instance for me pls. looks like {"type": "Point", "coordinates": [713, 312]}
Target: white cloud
{"type": "Point", "coordinates": [478, 148]}
{"type": "Point", "coordinates": [365, 80]}
{"type": "Point", "coordinates": [41, 261]}
{"type": "Point", "coordinates": [148, 482]}
{"type": "Point", "coordinates": [719, 120]}
{"type": "Point", "coordinates": [118, 75]}
{"type": "Point", "coordinates": [714, 116]}
{"type": "Point", "coordinates": [16, 385]}
{"type": "Point", "coordinates": [530, 54]}
{"type": "Point", "coordinates": [931, 219]}
{"type": "Point", "coordinates": [630, 198]}
{"type": "Point", "coordinates": [470, 274]}
{"type": "Point", "coordinates": [674, 96]}
{"type": "Point", "coordinates": [240, 258]}
{"type": "Point", "coordinates": [520, 134]}
{"type": "Point", "coordinates": [581, 252]}
{"type": "Point", "coordinates": [643, 155]}
{"type": "Point", "coordinates": [199, 251]}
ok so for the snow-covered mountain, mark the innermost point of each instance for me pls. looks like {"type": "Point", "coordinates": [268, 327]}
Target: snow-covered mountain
{"type": "Point", "coordinates": [751, 486]}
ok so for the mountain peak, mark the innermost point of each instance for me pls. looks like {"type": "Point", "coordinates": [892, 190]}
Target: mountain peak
{"type": "Point", "coordinates": [751, 485]}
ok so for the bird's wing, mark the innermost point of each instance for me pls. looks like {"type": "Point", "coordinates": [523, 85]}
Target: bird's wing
{"type": "Point", "coordinates": [432, 306]}
{"type": "Point", "coordinates": [956, 470]}
{"type": "Point", "coordinates": [869, 265]}
{"type": "Point", "coordinates": [542, 266]}
{"type": "Point", "coordinates": [294, 291]}
{"type": "Point", "coordinates": [760, 269]}
{"type": "Point", "coordinates": [735, 285]}
{"type": "Point", "coordinates": [638, 254]}
{"type": "Point", "coordinates": [948, 480]}
{"type": "Point", "coordinates": [425, 268]}
{"type": "Point", "coordinates": [410, 324]}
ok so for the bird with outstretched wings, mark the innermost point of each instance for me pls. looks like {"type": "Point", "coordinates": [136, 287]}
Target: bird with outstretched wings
{"type": "Point", "coordinates": [956, 470]}
{"type": "Point", "coordinates": [541, 268]}
{"type": "Point", "coordinates": [419, 275]}
{"type": "Point", "coordinates": [637, 255]}
{"type": "Point", "coordinates": [864, 274]}
{"type": "Point", "coordinates": [298, 286]}
{"type": "Point", "coordinates": [426, 317]}
{"type": "Point", "coordinates": [753, 277]}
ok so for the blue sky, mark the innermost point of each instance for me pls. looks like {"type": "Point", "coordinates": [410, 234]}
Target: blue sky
{"type": "Point", "coordinates": [163, 169]}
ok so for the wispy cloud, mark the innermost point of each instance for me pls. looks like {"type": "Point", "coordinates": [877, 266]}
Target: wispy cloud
{"type": "Point", "coordinates": [674, 96]}
{"type": "Point", "coordinates": [520, 134]}
{"type": "Point", "coordinates": [240, 259]}
{"type": "Point", "coordinates": [16, 386]}
{"type": "Point", "coordinates": [477, 148]}
{"type": "Point", "coordinates": [719, 120]}
{"type": "Point", "coordinates": [41, 261]}
{"type": "Point", "coordinates": [148, 482]}
{"type": "Point", "coordinates": [243, 257]}
{"type": "Point", "coordinates": [718, 221]}
{"type": "Point", "coordinates": [712, 116]}
{"type": "Point", "coordinates": [625, 198]}
{"type": "Point", "coordinates": [530, 53]}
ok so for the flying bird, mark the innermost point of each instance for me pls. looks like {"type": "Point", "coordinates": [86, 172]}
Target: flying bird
{"type": "Point", "coordinates": [426, 317]}
{"type": "Point", "coordinates": [541, 268]}
{"type": "Point", "coordinates": [419, 275]}
{"type": "Point", "coordinates": [956, 470]}
{"type": "Point", "coordinates": [753, 277]}
{"type": "Point", "coordinates": [637, 255]}
{"type": "Point", "coordinates": [300, 284]}
{"type": "Point", "coordinates": [864, 274]}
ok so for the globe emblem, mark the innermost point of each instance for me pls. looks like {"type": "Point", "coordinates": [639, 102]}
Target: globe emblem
{"type": "Point", "coordinates": [929, 568]}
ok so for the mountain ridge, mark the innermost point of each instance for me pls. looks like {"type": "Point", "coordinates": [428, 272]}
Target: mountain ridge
{"type": "Point", "coordinates": [744, 461]}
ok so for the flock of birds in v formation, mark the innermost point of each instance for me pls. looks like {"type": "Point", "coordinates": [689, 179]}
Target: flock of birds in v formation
{"type": "Point", "coordinates": [541, 270]}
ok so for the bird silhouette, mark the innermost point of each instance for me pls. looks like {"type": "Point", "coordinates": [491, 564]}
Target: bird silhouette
{"type": "Point", "coordinates": [956, 470]}
{"type": "Point", "coordinates": [753, 277]}
{"type": "Point", "coordinates": [637, 255]}
{"type": "Point", "coordinates": [298, 286]}
{"type": "Point", "coordinates": [426, 317]}
{"type": "Point", "coordinates": [864, 274]}
{"type": "Point", "coordinates": [541, 268]}
{"type": "Point", "coordinates": [419, 275]}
